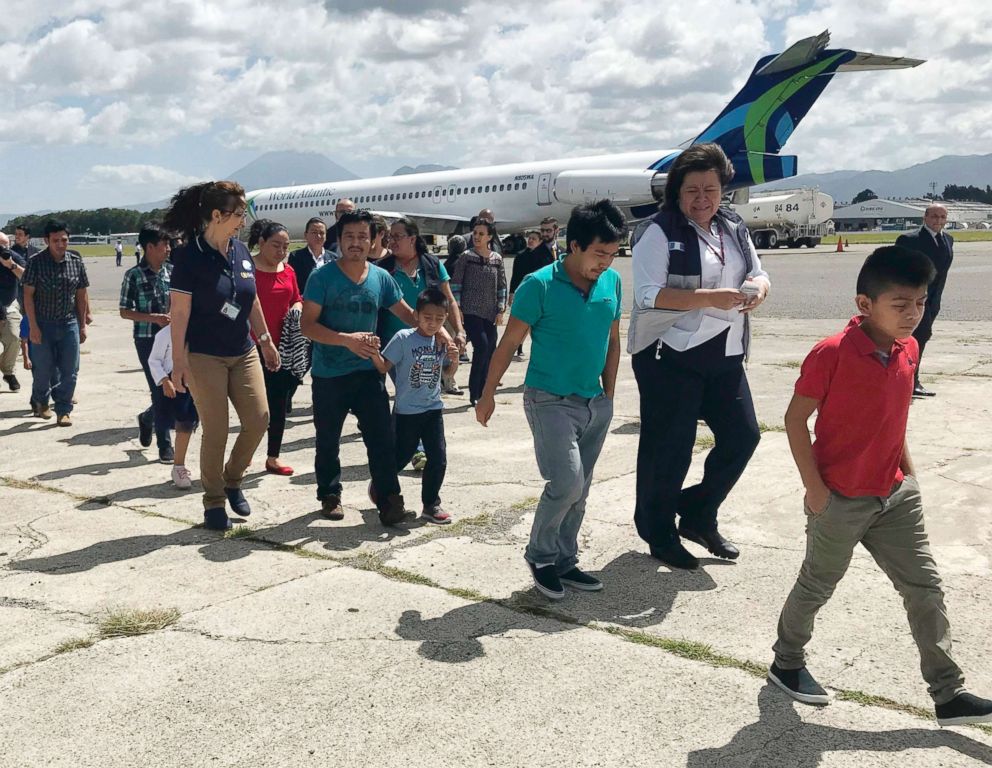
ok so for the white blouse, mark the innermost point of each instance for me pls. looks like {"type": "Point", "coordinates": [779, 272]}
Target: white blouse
{"type": "Point", "coordinates": [650, 268]}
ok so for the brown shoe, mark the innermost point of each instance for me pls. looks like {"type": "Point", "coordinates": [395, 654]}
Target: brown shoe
{"type": "Point", "coordinates": [64, 420]}
{"type": "Point", "coordinates": [44, 412]}
{"type": "Point", "coordinates": [394, 512]}
{"type": "Point", "coordinates": [330, 507]}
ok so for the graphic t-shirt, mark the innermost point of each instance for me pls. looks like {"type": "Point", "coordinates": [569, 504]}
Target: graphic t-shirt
{"type": "Point", "coordinates": [347, 307]}
{"type": "Point", "coordinates": [418, 360]}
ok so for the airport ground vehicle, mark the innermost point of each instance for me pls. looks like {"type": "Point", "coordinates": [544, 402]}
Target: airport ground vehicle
{"type": "Point", "coordinates": [791, 217]}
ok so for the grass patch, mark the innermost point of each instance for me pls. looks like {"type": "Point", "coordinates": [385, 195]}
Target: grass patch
{"type": "Point", "coordinates": [240, 532]}
{"type": "Point", "coordinates": [527, 503]}
{"type": "Point", "coordinates": [960, 236]}
{"type": "Point", "coordinates": [467, 594]}
{"type": "Point", "coordinates": [788, 364]}
{"type": "Point", "coordinates": [704, 442]}
{"type": "Point", "coordinates": [129, 622]}
{"type": "Point", "coordinates": [480, 520]}
{"type": "Point", "coordinates": [764, 426]}
{"type": "Point", "coordinates": [76, 644]}
{"type": "Point", "coordinates": [367, 561]}
{"type": "Point", "coordinates": [687, 649]}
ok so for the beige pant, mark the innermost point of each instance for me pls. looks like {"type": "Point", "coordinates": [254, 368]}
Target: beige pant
{"type": "Point", "coordinates": [215, 381]}
{"type": "Point", "coordinates": [892, 531]}
{"type": "Point", "coordinates": [10, 339]}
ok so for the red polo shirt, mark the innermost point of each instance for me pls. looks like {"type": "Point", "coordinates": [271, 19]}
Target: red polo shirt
{"type": "Point", "coordinates": [863, 408]}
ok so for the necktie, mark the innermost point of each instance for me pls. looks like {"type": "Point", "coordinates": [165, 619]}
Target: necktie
{"type": "Point", "coordinates": [939, 237]}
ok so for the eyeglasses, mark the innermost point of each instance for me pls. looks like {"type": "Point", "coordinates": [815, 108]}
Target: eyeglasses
{"type": "Point", "coordinates": [237, 214]}
{"type": "Point", "coordinates": [394, 236]}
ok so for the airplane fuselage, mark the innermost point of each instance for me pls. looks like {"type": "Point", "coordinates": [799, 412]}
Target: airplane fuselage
{"type": "Point", "coordinates": [520, 194]}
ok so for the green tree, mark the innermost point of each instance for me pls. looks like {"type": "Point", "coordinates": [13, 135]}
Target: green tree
{"type": "Point", "coordinates": [864, 194]}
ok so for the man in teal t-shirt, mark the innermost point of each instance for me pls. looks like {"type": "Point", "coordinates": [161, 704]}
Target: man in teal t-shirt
{"type": "Point", "coordinates": [572, 310]}
{"type": "Point", "coordinates": [341, 306]}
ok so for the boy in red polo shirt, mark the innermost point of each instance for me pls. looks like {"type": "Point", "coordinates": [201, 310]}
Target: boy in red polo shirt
{"type": "Point", "coordinates": [860, 483]}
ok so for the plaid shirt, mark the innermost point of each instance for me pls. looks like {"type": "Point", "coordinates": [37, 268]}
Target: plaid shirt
{"type": "Point", "coordinates": [55, 284]}
{"type": "Point", "coordinates": [145, 290]}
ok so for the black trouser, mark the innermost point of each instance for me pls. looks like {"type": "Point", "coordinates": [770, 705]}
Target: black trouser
{"type": "Point", "coordinates": [364, 394]}
{"type": "Point", "coordinates": [428, 427]}
{"type": "Point", "coordinates": [677, 389]}
{"type": "Point", "coordinates": [482, 334]}
{"type": "Point", "coordinates": [279, 388]}
{"type": "Point", "coordinates": [924, 330]}
{"type": "Point", "coordinates": [158, 413]}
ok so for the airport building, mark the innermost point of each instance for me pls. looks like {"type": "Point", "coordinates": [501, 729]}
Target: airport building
{"type": "Point", "coordinates": [908, 214]}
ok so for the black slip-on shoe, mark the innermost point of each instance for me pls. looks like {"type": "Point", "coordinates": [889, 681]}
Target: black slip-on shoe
{"type": "Point", "coordinates": [675, 555]}
{"type": "Point", "coordinates": [712, 542]}
{"type": "Point", "coordinates": [799, 684]}
{"type": "Point", "coordinates": [216, 519]}
{"type": "Point", "coordinates": [166, 454]}
{"type": "Point", "coordinates": [919, 391]}
{"type": "Point", "coordinates": [12, 382]}
{"type": "Point", "coordinates": [239, 504]}
{"type": "Point", "coordinates": [580, 580]}
{"type": "Point", "coordinates": [963, 709]}
{"type": "Point", "coordinates": [547, 581]}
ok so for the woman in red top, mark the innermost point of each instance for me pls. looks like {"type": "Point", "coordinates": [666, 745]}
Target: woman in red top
{"type": "Point", "coordinates": [278, 293]}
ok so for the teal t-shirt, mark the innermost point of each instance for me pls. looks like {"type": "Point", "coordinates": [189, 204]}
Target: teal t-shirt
{"type": "Point", "coordinates": [347, 307]}
{"type": "Point", "coordinates": [570, 331]}
{"type": "Point", "coordinates": [411, 290]}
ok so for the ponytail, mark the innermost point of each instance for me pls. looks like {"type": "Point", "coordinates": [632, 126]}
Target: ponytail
{"type": "Point", "coordinates": [411, 228]}
{"type": "Point", "coordinates": [263, 229]}
{"type": "Point", "coordinates": [192, 207]}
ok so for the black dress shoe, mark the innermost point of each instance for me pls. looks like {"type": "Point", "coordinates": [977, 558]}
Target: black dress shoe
{"type": "Point", "coordinates": [713, 542]}
{"type": "Point", "coordinates": [675, 555]}
{"type": "Point", "coordinates": [919, 391]}
{"type": "Point", "coordinates": [238, 502]}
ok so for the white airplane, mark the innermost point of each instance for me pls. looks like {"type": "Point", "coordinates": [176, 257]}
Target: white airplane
{"type": "Point", "coordinates": [752, 129]}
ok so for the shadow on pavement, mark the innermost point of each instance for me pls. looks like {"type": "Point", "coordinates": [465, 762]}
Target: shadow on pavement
{"type": "Point", "coordinates": [780, 739]}
{"type": "Point", "coordinates": [635, 595]}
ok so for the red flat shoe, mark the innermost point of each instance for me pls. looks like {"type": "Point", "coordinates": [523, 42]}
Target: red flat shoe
{"type": "Point", "coordinates": [283, 471]}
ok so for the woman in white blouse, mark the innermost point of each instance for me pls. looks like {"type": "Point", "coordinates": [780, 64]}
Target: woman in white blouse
{"type": "Point", "coordinates": [697, 277]}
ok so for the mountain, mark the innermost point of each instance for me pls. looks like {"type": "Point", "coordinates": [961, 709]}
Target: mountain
{"type": "Point", "coordinates": [281, 169]}
{"type": "Point", "coordinates": [275, 169]}
{"type": "Point", "coordinates": [427, 168]}
{"type": "Point", "coordinates": [909, 182]}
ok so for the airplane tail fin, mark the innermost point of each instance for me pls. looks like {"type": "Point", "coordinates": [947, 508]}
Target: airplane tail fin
{"type": "Point", "coordinates": [755, 125]}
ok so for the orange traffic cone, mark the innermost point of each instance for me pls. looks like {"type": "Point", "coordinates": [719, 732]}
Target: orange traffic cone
{"type": "Point", "coordinates": [840, 244]}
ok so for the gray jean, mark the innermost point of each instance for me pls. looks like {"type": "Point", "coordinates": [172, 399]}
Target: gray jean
{"type": "Point", "coordinates": [892, 531]}
{"type": "Point", "coordinates": [568, 435]}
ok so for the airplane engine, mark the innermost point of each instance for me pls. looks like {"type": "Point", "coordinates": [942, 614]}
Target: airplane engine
{"type": "Point", "coordinates": [624, 186]}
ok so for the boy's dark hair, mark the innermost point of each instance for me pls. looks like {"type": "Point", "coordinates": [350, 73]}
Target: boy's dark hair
{"type": "Point", "coordinates": [54, 225]}
{"type": "Point", "coordinates": [351, 217]}
{"type": "Point", "coordinates": [432, 296]}
{"type": "Point", "coordinates": [603, 220]}
{"type": "Point", "coordinates": [24, 228]}
{"type": "Point", "coordinates": [151, 234]}
{"type": "Point", "coordinates": [893, 265]}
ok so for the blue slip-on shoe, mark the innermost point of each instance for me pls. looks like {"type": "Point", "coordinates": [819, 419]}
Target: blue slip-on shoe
{"type": "Point", "coordinates": [239, 504]}
{"type": "Point", "coordinates": [216, 519]}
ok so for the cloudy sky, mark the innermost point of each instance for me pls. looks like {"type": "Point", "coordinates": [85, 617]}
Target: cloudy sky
{"type": "Point", "coordinates": [121, 101]}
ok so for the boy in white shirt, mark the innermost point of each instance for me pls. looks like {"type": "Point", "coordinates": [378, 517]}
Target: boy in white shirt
{"type": "Point", "coordinates": [181, 406]}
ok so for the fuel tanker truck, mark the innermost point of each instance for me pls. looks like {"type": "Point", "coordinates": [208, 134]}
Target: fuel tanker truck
{"type": "Point", "coordinates": [792, 217]}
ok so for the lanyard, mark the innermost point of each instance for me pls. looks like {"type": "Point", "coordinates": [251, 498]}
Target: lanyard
{"type": "Point", "coordinates": [228, 270]}
{"type": "Point", "coordinates": [721, 255]}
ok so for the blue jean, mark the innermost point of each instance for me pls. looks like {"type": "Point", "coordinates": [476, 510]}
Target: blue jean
{"type": "Point", "coordinates": [159, 412]}
{"type": "Point", "coordinates": [57, 357]}
{"type": "Point", "coordinates": [568, 436]}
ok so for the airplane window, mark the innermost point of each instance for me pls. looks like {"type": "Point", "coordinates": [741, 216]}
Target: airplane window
{"type": "Point", "coordinates": [516, 186]}
{"type": "Point", "coordinates": [500, 187]}
{"type": "Point", "coordinates": [444, 193]}
{"type": "Point", "coordinates": [487, 187]}
{"type": "Point", "coordinates": [524, 185]}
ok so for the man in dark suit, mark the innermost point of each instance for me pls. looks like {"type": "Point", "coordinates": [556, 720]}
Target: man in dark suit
{"type": "Point", "coordinates": [305, 260]}
{"type": "Point", "coordinates": [939, 247]}
{"type": "Point", "coordinates": [343, 206]}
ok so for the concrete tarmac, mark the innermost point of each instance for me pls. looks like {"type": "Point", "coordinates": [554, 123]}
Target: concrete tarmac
{"type": "Point", "coordinates": [303, 641]}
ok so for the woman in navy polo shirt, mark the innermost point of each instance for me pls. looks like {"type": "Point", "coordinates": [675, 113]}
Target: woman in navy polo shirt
{"type": "Point", "coordinates": [215, 310]}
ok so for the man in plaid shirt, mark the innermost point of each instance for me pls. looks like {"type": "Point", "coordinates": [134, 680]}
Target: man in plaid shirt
{"type": "Point", "coordinates": [145, 301]}
{"type": "Point", "coordinates": [57, 306]}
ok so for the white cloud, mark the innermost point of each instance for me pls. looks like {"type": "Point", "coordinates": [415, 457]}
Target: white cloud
{"type": "Point", "coordinates": [153, 180]}
{"type": "Point", "coordinates": [478, 82]}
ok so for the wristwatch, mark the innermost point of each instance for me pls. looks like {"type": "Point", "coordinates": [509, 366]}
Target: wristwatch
{"type": "Point", "coordinates": [264, 337]}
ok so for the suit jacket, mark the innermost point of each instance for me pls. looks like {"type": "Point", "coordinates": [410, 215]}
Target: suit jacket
{"type": "Point", "coordinates": [527, 262]}
{"type": "Point", "coordinates": [301, 260]}
{"type": "Point", "coordinates": [923, 241]}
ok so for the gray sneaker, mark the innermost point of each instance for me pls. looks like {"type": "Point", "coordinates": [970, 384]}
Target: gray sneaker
{"type": "Point", "coordinates": [799, 684]}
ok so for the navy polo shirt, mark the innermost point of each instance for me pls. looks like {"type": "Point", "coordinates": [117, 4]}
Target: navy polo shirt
{"type": "Point", "coordinates": [211, 279]}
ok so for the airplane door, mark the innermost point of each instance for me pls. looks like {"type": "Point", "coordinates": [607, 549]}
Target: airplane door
{"type": "Point", "coordinates": [544, 189]}
{"type": "Point", "coordinates": [437, 195]}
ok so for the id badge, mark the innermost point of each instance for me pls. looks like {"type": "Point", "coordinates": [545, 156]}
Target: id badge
{"type": "Point", "coordinates": [230, 310]}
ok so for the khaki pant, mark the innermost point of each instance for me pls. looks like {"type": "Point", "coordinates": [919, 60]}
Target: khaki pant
{"type": "Point", "coordinates": [215, 381]}
{"type": "Point", "coordinates": [10, 339]}
{"type": "Point", "coordinates": [892, 530]}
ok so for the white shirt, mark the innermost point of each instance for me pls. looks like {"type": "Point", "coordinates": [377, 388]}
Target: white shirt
{"type": "Point", "coordinates": [160, 358]}
{"type": "Point", "coordinates": [650, 268]}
